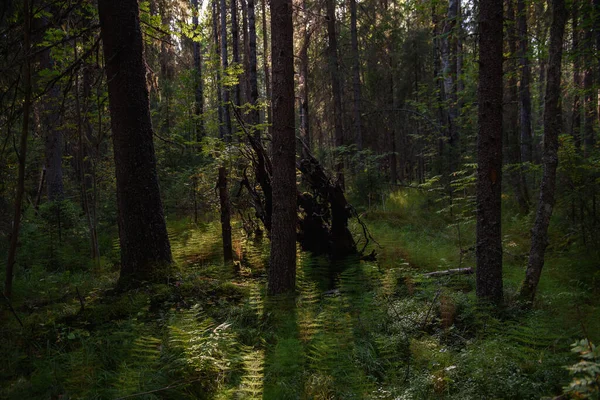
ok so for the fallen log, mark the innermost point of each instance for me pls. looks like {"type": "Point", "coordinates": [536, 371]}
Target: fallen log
{"type": "Point", "coordinates": [456, 271]}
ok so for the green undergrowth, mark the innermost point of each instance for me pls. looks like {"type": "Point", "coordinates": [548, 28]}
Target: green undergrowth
{"type": "Point", "coordinates": [369, 330]}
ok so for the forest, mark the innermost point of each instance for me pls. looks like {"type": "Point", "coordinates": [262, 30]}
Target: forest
{"type": "Point", "coordinates": [300, 199]}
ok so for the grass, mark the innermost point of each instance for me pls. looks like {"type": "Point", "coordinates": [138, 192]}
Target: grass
{"type": "Point", "coordinates": [384, 332]}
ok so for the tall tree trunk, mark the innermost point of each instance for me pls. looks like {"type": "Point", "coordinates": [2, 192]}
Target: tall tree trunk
{"type": "Point", "coordinates": [489, 153]}
{"type": "Point", "coordinates": [449, 65]}
{"type": "Point", "coordinates": [334, 72]}
{"type": "Point", "coordinates": [356, 77]}
{"type": "Point", "coordinates": [524, 87]}
{"type": "Point", "coordinates": [222, 181]}
{"type": "Point", "coordinates": [253, 115]}
{"type": "Point", "coordinates": [215, 26]}
{"type": "Point", "coordinates": [590, 93]}
{"type": "Point", "coordinates": [235, 49]}
{"type": "Point", "coordinates": [552, 128]}
{"type": "Point", "coordinates": [14, 238]}
{"type": "Point", "coordinates": [199, 89]}
{"type": "Point", "coordinates": [225, 66]}
{"type": "Point", "coordinates": [142, 230]}
{"type": "Point", "coordinates": [576, 50]}
{"type": "Point", "coordinates": [282, 271]}
{"type": "Point", "coordinates": [511, 125]}
{"type": "Point", "coordinates": [267, 73]}
{"type": "Point", "coordinates": [303, 79]}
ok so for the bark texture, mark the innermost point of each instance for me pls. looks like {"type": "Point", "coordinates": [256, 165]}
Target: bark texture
{"type": "Point", "coordinates": [489, 153]}
{"type": "Point", "coordinates": [142, 229]}
{"type": "Point", "coordinates": [282, 271]}
{"type": "Point", "coordinates": [552, 128]}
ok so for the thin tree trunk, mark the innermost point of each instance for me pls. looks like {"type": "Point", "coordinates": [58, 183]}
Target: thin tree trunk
{"type": "Point", "coordinates": [215, 21]}
{"type": "Point", "coordinates": [145, 247]}
{"type": "Point", "coordinates": [199, 89]}
{"type": "Point", "coordinates": [222, 180]}
{"type": "Point", "coordinates": [524, 87]}
{"type": "Point", "coordinates": [449, 65]}
{"type": "Point", "coordinates": [254, 115]}
{"type": "Point", "coordinates": [334, 72]}
{"type": "Point", "coordinates": [14, 238]}
{"type": "Point", "coordinates": [282, 271]}
{"type": "Point", "coordinates": [356, 77]}
{"type": "Point", "coordinates": [303, 79]}
{"type": "Point", "coordinates": [266, 66]}
{"type": "Point", "coordinates": [513, 155]}
{"type": "Point", "coordinates": [225, 216]}
{"type": "Point", "coordinates": [552, 128]}
{"type": "Point", "coordinates": [235, 49]}
{"type": "Point", "coordinates": [225, 66]}
{"type": "Point", "coordinates": [489, 153]}
{"type": "Point", "coordinates": [576, 49]}
{"type": "Point", "coordinates": [590, 93]}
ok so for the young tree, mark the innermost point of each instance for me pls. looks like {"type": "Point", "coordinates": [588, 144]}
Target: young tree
{"type": "Point", "coordinates": [199, 90]}
{"type": "Point", "coordinates": [489, 152]}
{"type": "Point", "coordinates": [142, 229]}
{"type": "Point", "coordinates": [524, 86]}
{"type": "Point", "coordinates": [552, 128]}
{"type": "Point", "coordinates": [282, 271]}
{"type": "Point", "coordinates": [356, 77]}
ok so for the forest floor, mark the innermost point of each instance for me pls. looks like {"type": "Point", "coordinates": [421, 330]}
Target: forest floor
{"type": "Point", "coordinates": [372, 330]}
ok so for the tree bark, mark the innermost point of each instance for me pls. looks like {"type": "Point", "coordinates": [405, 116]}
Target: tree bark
{"type": "Point", "coordinates": [14, 238]}
{"type": "Point", "coordinates": [282, 271]}
{"type": "Point", "coordinates": [235, 49]}
{"type": "Point", "coordinates": [524, 87]}
{"type": "Point", "coordinates": [303, 79]}
{"type": "Point", "coordinates": [225, 66]}
{"type": "Point", "coordinates": [334, 72]}
{"type": "Point", "coordinates": [489, 152]}
{"type": "Point", "coordinates": [576, 49]}
{"type": "Point", "coordinates": [590, 92]}
{"type": "Point", "coordinates": [142, 229]}
{"type": "Point", "coordinates": [267, 73]}
{"type": "Point", "coordinates": [449, 68]}
{"type": "Point", "coordinates": [253, 115]}
{"type": "Point", "coordinates": [356, 77]}
{"type": "Point", "coordinates": [552, 129]}
{"type": "Point", "coordinates": [199, 89]}
{"type": "Point", "coordinates": [513, 153]}
{"type": "Point", "coordinates": [215, 26]}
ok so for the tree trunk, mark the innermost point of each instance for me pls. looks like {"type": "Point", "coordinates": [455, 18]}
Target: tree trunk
{"type": "Point", "coordinates": [199, 90]}
{"type": "Point", "coordinates": [253, 115]}
{"type": "Point", "coordinates": [225, 216]}
{"type": "Point", "coordinates": [576, 49]}
{"type": "Point", "coordinates": [225, 66]}
{"type": "Point", "coordinates": [142, 229]}
{"type": "Point", "coordinates": [14, 238]}
{"type": "Point", "coordinates": [489, 152]}
{"type": "Point", "coordinates": [303, 79]}
{"type": "Point", "coordinates": [590, 92]}
{"type": "Point", "coordinates": [552, 129]}
{"type": "Point", "coordinates": [222, 180]}
{"type": "Point", "coordinates": [267, 73]}
{"type": "Point", "coordinates": [449, 66]}
{"type": "Point", "coordinates": [356, 77]}
{"type": "Point", "coordinates": [282, 271]}
{"type": "Point", "coordinates": [334, 72]}
{"type": "Point", "coordinates": [511, 126]}
{"type": "Point", "coordinates": [215, 23]}
{"type": "Point", "coordinates": [235, 49]}
{"type": "Point", "coordinates": [524, 87]}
